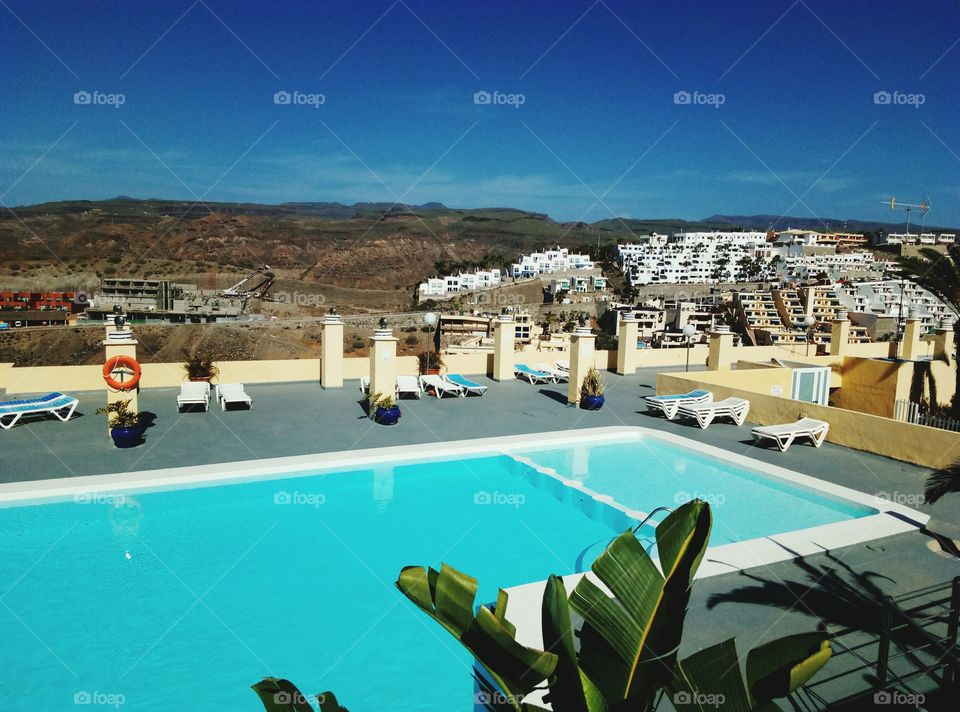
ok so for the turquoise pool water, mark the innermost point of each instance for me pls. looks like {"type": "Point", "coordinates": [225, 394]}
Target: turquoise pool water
{"type": "Point", "coordinates": [181, 599]}
{"type": "Point", "coordinates": [647, 473]}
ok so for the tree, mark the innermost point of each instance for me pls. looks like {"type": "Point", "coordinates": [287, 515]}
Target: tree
{"type": "Point", "coordinates": [939, 274]}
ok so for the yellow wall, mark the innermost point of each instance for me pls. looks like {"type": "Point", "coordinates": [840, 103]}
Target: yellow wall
{"type": "Point", "coordinates": [868, 386]}
{"type": "Point", "coordinates": [928, 447]}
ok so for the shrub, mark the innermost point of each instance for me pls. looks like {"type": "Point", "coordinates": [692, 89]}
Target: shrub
{"type": "Point", "coordinates": [411, 340]}
{"type": "Point", "coordinates": [357, 344]}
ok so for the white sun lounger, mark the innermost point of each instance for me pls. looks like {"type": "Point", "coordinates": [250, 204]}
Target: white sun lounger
{"type": "Point", "coordinates": [230, 393]}
{"type": "Point", "coordinates": [533, 375]}
{"type": "Point", "coordinates": [734, 408]}
{"type": "Point", "coordinates": [194, 393]}
{"type": "Point", "coordinates": [466, 384]}
{"type": "Point", "coordinates": [562, 365]}
{"type": "Point", "coordinates": [668, 404]}
{"type": "Point", "coordinates": [409, 386]}
{"type": "Point", "coordinates": [54, 403]}
{"type": "Point", "coordinates": [786, 433]}
{"type": "Point", "coordinates": [557, 374]}
{"type": "Point", "coordinates": [440, 386]}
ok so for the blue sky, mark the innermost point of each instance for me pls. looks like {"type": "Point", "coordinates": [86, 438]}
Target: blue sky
{"type": "Point", "coordinates": [782, 117]}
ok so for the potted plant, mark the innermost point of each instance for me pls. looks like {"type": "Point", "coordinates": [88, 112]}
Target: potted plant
{"type": "Point", "coordinates": [430, 363]}
{"type": "Point", "coordinates": [125, 427]}
{"type": "Point", "coordinates": [199, 365]}
{"type": "Point", "coordinates": [382, 409]}
{"type": "Point", "coordinates": [591, 390]}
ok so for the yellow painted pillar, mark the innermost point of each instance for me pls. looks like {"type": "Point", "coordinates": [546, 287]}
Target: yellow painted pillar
{"type": "Point", "coordinates": [910, 349]}
{"type": "Point", "coordinates": [331, 351]}
{"type": "Point", "coordinates": [581, 359]}
{"type": "Point", "coordinates": [383, 361]}
{"type": "Point", "coordinates": [628, 328]}
{"type": "Point", "coordinates": [504, 334]}
{"type": "Point", "coordinates": [943, 344]}
{"type": "Point", "coordinates": [840, 334]}
{"type": "Point", "coordinates": [119, 341]}
{"type": "Point", "coordinates": [721, 349]}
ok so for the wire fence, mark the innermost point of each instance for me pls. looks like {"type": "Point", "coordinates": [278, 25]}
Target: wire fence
{"type": "Point", "coordinates": [909, 412]}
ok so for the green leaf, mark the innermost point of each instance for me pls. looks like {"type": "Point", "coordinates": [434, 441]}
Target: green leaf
{"type": "Point", "coordinates": [779, 667]}
{"type": "Point", "coordinates": [447, 596]}
{"type": "Point", "coordinates": [629, 642]}
{"type": "Point", "coordinates": [710, 679]}
{"type": "Point", "coordinates": [279, 695]}
{"type": "Point", "coordinates": [566, 686]}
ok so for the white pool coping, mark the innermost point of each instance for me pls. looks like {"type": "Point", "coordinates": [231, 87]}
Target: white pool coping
{"type": "Point", "coordinates": [892, 517]}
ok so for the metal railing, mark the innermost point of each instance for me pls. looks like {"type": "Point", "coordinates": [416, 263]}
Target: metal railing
{"type": "Point", "coordinates": [909, 412]}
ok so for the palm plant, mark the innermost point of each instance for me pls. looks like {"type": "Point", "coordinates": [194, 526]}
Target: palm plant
{"type": "Point", "coordinates": [939, 274]}
{"type": "Point", "coordinates": [943, 481]}
{"type": "Point", "coordinates": [629, 639]}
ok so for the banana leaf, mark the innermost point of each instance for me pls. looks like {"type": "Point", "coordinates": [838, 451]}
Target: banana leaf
{"type": "Point", "coordinates": [448, 596]}
{"type": "Point", "coordinates": [779, 667]}
{"type": "Point", "coordinates": [629, 643]}
{"type": "Point", "coordinates": [278, 695]}
{"type": "Point", "coordinates": [570, 689]}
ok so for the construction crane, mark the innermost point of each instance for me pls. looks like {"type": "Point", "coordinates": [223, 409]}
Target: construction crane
{"type": "Point", "coordinates": [923, 207]}
{"type": "Point", "coordinates": [259, 291]}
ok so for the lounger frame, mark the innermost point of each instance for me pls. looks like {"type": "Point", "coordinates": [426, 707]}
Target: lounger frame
{"type": "Point", "coordinates": [784, 435]}
{"type": "Point", "coordinates": [34, 406]}
{"type": "Point", "coordinates": [705, 413]}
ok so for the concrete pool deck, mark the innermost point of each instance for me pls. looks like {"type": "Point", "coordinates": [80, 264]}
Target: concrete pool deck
{"type": "Point", "coordinates": [836, 586]}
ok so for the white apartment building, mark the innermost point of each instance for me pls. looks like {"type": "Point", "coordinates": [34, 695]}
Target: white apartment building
{"type": "Point", "coordinates": [549, 261]}
{"type": "Point", "coordinates": [891, 298]}
{"type": "Point", "coordinates": [463, 282]}
{"type": "Point", "coordinates": [695, 258]}
{"type": "Point", "coordinates": [924, 238]}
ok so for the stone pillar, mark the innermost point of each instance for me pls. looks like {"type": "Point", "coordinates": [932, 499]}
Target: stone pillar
{"type": "Point", "coordinates": [581, 360]}
{"type": "Point", "coordinates": [840, 334]}
{"type": "Point", "coordinates": [331, 351]}
{"type": "Point", "coordinates": [628, 328]}
{"type": "Point", "coordinates": [943, 345]}
{"type": "Point", "coordinates": [504, 334]}
{"type": "Point", "coordinates": [910, 349]}
{"type": "Point", "coordinates": [383, 361]}
{"type": "Point", "coordinates": [721, 349]}
{"type": "Point", "coordinates": [119, 341]}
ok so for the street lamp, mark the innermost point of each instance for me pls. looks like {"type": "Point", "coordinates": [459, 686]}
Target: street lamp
{"type": "Point", "coordinates": [430, 319]}
{"type": "Point", "coordinates": [689, 330]}
{"type": "Point", "coordinates": [808, 322]}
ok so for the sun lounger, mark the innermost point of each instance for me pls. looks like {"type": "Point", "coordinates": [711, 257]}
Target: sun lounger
{"type": "Point", "coordinates": [734, 408]}
{"type": "Point", "coordinates": [55, 403]}
{"type": "Point", "coordinates": [230, 393]}
{"type": "Point", "coordinates": [409, 386]}
{"type": "Point", "coordinates": [668, 404]}
{"type": "Point", "coordinates": [562, 365]}
{"type": "Point", "coordinates": [194, 393]}
{"type": "Point", "coordinates": [786, 433]}
{"type": "Point", "coordinates": [533, 375]}
{"type": "Point", "coordinates": [466, 384]}
{"type": "Point", "coordinates": [440, 386]}
{"type": "Point", "coordinates": [558, 375]}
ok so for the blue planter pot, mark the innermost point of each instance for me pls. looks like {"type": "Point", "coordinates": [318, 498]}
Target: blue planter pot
{"type": "Point", "coordinates": [387, 416]}
{"type": "Point", "coordinates": [591, 402]}
{"type": "Point", "coordinates": [127, 437]}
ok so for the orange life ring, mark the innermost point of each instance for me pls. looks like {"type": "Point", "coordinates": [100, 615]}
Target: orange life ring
{"type": "Point", "coordinates": [123, 362]}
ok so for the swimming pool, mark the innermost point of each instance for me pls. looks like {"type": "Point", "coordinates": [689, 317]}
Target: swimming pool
{"type": "Point", "coordinates": [177, 589]}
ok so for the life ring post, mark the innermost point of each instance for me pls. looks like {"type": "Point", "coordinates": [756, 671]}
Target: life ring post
{"type": "Point", "coordinates": [121, 370]}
